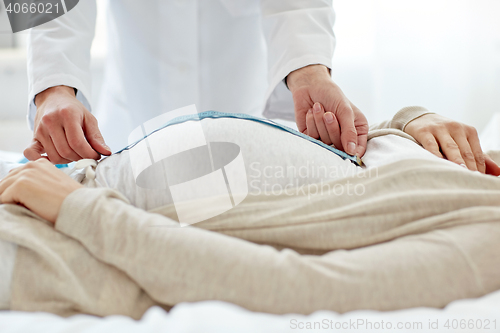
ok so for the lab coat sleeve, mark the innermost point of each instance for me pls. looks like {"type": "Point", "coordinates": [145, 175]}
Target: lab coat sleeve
{"type": "Point", "coordinates": [298, 33]}
{"type": "Point", "coordinates": [59, 54]}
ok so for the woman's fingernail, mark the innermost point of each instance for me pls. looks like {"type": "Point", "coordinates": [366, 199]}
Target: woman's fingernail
{"type": "Point", "coordinates": [317, 107]}
{"type": "Point", "coordinates": [329, 117]}
{"type": "Point", "coordinates": [351, 148]}
{"type": "Point", "coordinates": [463, 165]}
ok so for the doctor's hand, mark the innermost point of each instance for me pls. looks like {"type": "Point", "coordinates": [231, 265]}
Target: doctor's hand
{"type": "Point", "coordinates": [64, 129]}
{"type": "Point", "coordinates": [38, 186]}
{"type": "Point", "coordinates": [453, 141]}
{"type": "Point", "coordinates": [314, 93]}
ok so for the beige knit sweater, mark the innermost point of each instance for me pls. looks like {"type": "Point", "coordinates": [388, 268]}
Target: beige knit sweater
{"type": "Point", "coordinates": [422, 234]}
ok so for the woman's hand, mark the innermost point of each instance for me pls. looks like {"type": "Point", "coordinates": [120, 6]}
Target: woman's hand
{"type": "Point", "coordinates": [39, 186]}
{"type": "Point", "coordinates": [453, 141]}
{"type": "Point", "coordinates": [441, 136]}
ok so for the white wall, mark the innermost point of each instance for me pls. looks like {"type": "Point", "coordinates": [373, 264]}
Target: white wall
{"type": "Point", "coordinates": [441, 54]}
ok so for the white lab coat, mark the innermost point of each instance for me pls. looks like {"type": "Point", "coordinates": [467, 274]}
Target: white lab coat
{"type": "Point", "coordinates": [223, 55]}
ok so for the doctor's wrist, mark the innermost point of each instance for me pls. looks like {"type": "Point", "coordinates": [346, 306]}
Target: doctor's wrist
{"type": "Point", "coordinates": [41, 97]}
{"type": "Point", "coordinates": [307, 75]}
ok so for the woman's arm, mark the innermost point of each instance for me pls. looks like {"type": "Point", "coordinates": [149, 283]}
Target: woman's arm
{"type": "Point", "coordinates": [174, 264]}
{"type": "Point", "coordinates": [402, 118]}
{"type": "Point", "coordinates": [441, 136]}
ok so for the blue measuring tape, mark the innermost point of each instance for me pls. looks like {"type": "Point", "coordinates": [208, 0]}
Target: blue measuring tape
{"type": "Point", "coordinates": [215, 114]}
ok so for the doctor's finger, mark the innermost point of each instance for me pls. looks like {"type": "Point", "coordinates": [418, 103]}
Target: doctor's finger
{"type": "Point", "coordinates": [475, 145]}
{"type": "Point", "coordinates": [94, 136]}
{"type": "Point", "coordinates": [318, 112]}
{"type": "Point", "coordinates": [311, 129]}
{"type": "Point", "coordinates": [332, 126]}
{"type": "Point", "coordinates": [78, 142]}
{"type": "Point", "coordinates": [362, 128]}
{"type": "Point", "coordinates": [348, 133]}
{"type": "Point", "coordinates": [61, 144]}
{"type": "Point", "coordinates": [51, 151]}
{"type": "Point", "coordinates": [43, 137]}
{"type": "Point", "coordinates": [34, 150]}
{"type": "Point", "coordinates": [301, 116]}
{"type": "Point", "coordinates": [362, 142]}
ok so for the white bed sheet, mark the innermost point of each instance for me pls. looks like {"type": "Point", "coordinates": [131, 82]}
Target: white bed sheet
{"type": "Point", "coordinates": [220, 317]}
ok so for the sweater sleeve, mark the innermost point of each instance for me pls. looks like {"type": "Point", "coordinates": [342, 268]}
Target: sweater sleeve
{"type": "Point", "coordinates": [397, 124]}
{"type": "Point", "coordinates": [173, 264]}
{"type": "Point", "coordinates": [402, 118]}
{"type": "Point", "coordinates": [188, 264]}
{"type": "Point", "coordinates": [298, 33]}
